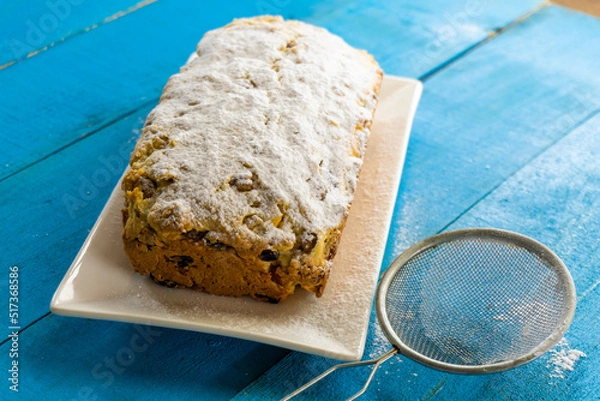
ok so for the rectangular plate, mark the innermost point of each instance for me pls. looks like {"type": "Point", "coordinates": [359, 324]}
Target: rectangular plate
{"type": "Point", "coordinates": [101, 283]}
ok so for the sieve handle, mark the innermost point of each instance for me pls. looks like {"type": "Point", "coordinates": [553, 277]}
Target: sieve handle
{"type": "Point", "coordinates": [377, 362]}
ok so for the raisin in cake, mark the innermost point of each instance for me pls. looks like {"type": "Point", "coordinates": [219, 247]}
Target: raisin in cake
{"type": "Point", "coordinates": [245, 171]}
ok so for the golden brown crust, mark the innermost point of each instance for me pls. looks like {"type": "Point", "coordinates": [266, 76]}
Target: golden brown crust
{"type": "Point", "coordinates": [217, 269]}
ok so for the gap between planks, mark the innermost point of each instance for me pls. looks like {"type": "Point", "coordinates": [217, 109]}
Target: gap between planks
{"type": "Point", "coordinates": [591, 115]}
{"type": "Point", "coordinates": [482, 42]}
{"type": "Point", "coordinates": [71, 35]}
{"type": "Point", "coordinates": [45, 315]}
{"type": "Point", "coordinates": [82, 137]}
{"type": "Point", "coordinates": [588, 290]}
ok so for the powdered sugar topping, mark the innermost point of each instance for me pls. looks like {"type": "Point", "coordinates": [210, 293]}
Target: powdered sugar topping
{"type": "Point", "coordinates": [259, 134]}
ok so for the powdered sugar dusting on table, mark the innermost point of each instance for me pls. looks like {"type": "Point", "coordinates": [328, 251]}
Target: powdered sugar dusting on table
{"type": "Point", "coordinates": [379, 342]}
{"type": "Point", "coordinates": [259, 132]}
{"type": "Point", "coordinates": [562, 359]}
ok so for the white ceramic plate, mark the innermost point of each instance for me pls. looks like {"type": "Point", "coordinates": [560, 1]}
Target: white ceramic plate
{"type": "Point", "coordinates": [101, 283]}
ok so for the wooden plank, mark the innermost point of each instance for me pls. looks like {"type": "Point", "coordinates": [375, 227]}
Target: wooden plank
{"type": "Point", "coordinates": [500, 141]}
{"type": "Point", "coordinates": [412, 39]}
{"type": "Point", "coordinates": [487, 115]}
{"type": "Point", "coordinates": [36, 26]}
{"type": "Point", "coordinates": [120, 66]}
{"type": "Point", "coordinates": [81, 360]}
{"type": "Point", "coordinates": [29, 27]}
{"type": "Point", "coordinates": [48, 209]}
{"type": "Point", "coordinates": [591, 7]}
{"type": "Point", "coordinates": [556, 200]}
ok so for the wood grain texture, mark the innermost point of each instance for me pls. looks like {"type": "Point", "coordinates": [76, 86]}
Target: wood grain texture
{"type": "Point", "coordinates": [121, 65]}
{"type": "Point", "coordinates": [34, 26]}
{"type": "Point", "coordinates": [29, 28]}
{"type": "Point", "coordinates": [480, 122]}
{"type": "Point", "coordinates": [506, 137]}
{"type": "Point", "coordinates": [490, 113]}
{"type": "Point", "coordinates": [81, 360]}
{"type": "Point", "coordinates": [47, 210]}
{"type": "Point", "coordinates": [556, 200]}
{"type": "Point", "coordinates": [412, 39]}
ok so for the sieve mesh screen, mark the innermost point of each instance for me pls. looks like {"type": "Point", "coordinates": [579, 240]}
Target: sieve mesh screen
{"type": "Point", "coordinates": [475, 301]}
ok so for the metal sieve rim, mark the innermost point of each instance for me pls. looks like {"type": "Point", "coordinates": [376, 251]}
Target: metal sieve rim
{"type": "Point", "coordinates": [510, 237]}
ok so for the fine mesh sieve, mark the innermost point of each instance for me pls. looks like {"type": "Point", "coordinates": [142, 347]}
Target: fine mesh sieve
{"type": "Point", "coordinates": [471, 301]}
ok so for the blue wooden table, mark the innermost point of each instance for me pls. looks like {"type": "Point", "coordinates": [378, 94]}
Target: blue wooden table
{"type": "Point", "coordinates": [507, 135]}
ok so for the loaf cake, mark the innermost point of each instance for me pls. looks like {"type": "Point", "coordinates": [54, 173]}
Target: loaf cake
{"type": "Point", "coordinates": [242, 179]}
